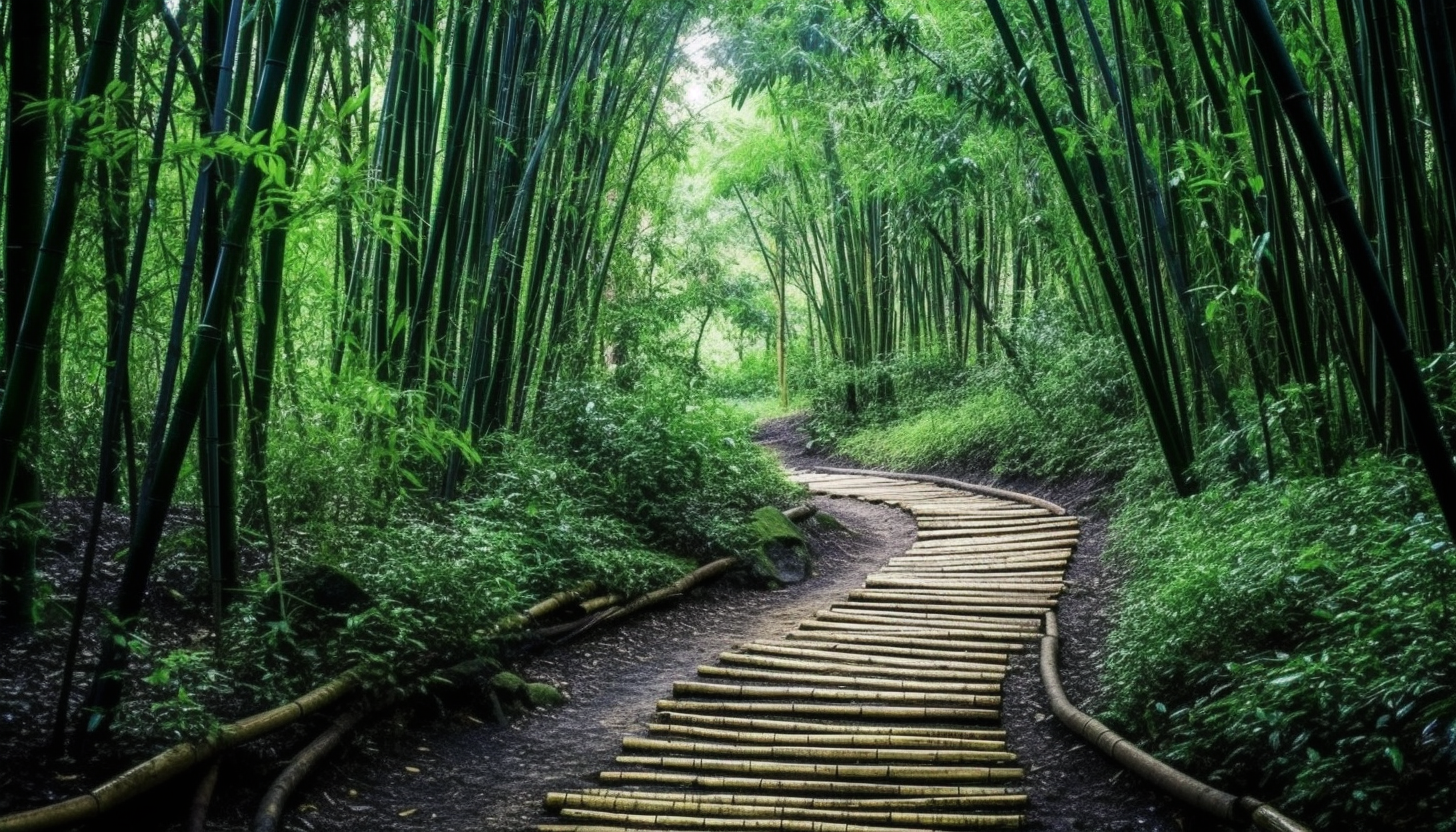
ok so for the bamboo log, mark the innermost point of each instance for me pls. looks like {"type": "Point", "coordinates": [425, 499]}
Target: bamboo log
{"type": "Point", "coordinates": [712, 689]}
{"type": "Point", "coordinates": [601, 602]}
{"type": "Point", "coordinates": [175, 760]}
{"type": "Point", "coordinates": [1193, 792]}
{"type": "Point", "coordinates": [857, 611]}
{"type": "Point", "coordinates": [769, 784]}
{"type": "Point", "coordinates": [759, 725]}
{"type": "Point", "coordinates": [872, 656]}
{"type": "Point", "coordinates": [698, 576]}
{"type": "Point", "coordinates": [986, 636]}
{"type": "Point", "coordinates": [933, 650]}
{"type": "Point", "coordinates": [689, 805]}
{"type": "Point", "coordinates": [831, 740]}
{"type": "Point", "coordinates": [940, 521]}
{"type": "Point", "coordinates": [965, 596]}
{"type": "Point", "coordinates": [866, 682]}
{"type": "Point", "coordinates": [928, 756]}
{"type": "Point", "coordinates": [963, 486]}
{"type": "Point", "coordinates": [851, 669]}
{"type": "Point", "coordinates": [546, 607]}
{"type": "Point", "coordinates": [960, 558]}
{"type": "Point", "coordinates": [816, 709]}
{"type": "Point", "coordinates": [985, 797]}
{"type": "Point", "coordinates": [977, 649]}
{"type": "Point", "coordinates": [1044, 567]}
{"type": "Point", "coordinates": [1027, 582]}
{"type": "Point", "coordinates": [912, 773]}
{"type": "Point", "coordinates": [270, 809]}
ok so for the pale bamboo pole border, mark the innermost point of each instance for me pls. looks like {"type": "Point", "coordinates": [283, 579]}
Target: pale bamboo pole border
{"type": "Point", "coordinates": [1200, 795]}
{"type": "Point", "coordinates": [963, 486]}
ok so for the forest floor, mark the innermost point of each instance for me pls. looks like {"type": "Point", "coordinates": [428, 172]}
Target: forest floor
{"type": "Point", "coordinates": [454, 768]}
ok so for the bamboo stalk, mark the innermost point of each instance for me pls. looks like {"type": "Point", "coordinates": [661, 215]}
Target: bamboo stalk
{"type": "Point", "coordinates": [990, 797]}
{"type": "Point", "coordinates": [1009, 626]}
{"type": "Point", "coordinates": [917, 712]}
{"type": "Point", "coordinates": [897, 647]}
{"type": "Point", "coordinates": [932, 756]}
{"type": "Point", "coordinates": [853, 669]}
{"type": "Point", "coordinates": [711, 689]}
{"type": "Point", "coordinates": [869, 682]}
{"type": "Point", "coordinates": [832, 740]}
{"type": "Point", "coordinates": [848, 728]}
{"type": "Point", "coordinates": [962, 486]}
{"type": "Point", "coordinates": [710, 813]}
{"type": "Point", "coordinates": [934, 642]}
{"type": "Point", "coordinates": [915, 774]}
{"type": "Point", "coordinates": [769, 784]}
{"type": "Point", "coordinates": [910, 628]}
{"type": "Point", "coordinates": [880, 656]}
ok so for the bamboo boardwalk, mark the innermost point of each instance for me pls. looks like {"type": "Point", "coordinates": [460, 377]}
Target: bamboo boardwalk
{"type": "Point", "coordinates": [881, 713]}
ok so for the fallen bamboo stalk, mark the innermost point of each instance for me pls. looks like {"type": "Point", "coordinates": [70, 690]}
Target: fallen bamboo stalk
{"type": "Point", "coordinates": [917, 774]}
{"type": "Point", "coordinates": [957, 484]}
{"type": "Point", "coordinates": [689, 805]}
{"type": "Point", "coordinates": [832, 694]}
{"type": "Point", "coordinates": [546, 607]}
{"type": "Point", "coordinates": [770, 784]}
{"type": "Point", "coordinates": [202, 798]}
{"type": "Point", "coordinates": [868, 682]}
{"type": "Point", "coordinates": [930, 756]}
{"type": "Point", "coordinates": [698, 576]}
{"type": "Point", "coordinates": [270, 809]}
{"type": "Point", "coordinates": [1200, 795]}
{"type": "Point", "coordinates": [992, 797]}
{"type": "Point", "coordinates": [979, 649]}
{"type": "Point", "coordinates": [851, 669]}
{"type": "Point", "coordinates": [601, 602]}
{"type": "Point", "coordinates": [938, 651]}
{"type": "Point", "coordinates": [798, 514]}
{"type": "Point", "coordinates": [815, 709]}
{"type": "Point", "coordinates": [940, 629]}
{"type": "Point", "coordinates": [871, 656]}
{"type": "Point", "coordinates": [750, 725]}
{"type": "Point", "coordinates": [832, 740]}
{"type": "Point", "coordinates": [177, 759]}
{"type": "Point", "coordinates": [857, 612]}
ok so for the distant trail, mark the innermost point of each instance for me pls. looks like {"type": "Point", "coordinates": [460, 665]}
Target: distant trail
{"type": "Point", "coordinates": [882, 710]}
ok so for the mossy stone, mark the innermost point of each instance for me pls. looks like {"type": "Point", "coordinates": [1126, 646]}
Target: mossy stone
{"type": "Point", "coordinates": [542, 695]}
{"type": "Point", "coordinates": [780, 551]}
{"type": "Point", "coordinates": [509, 685]}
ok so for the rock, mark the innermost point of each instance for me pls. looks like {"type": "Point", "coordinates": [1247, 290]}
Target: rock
{"type": "Point", "coordinates": [781, 553]}
{"type": "Point", "coordinates": [542, 695]}
{"type": "Point", "coordinates": [509, 685]}
{"type": "Point", "coordinates": [318, 597]}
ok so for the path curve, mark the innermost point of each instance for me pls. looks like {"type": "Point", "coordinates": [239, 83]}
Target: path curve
{"type": "Point", "coordinates": [881, 712]}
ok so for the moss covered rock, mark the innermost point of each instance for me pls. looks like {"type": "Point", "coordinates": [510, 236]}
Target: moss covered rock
{"type": "Point", "coordinates": [780, 551]}
{"type": "Point", "coordinates": [508, 685]}
{"type": "Point", "coordinates": [542, 695]}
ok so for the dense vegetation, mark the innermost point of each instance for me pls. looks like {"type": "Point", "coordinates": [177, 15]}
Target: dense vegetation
{"type": "Point", "coordinates": [447, 296]}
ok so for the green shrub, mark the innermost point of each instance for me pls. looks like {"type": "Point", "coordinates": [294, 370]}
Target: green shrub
{"type": "Point", "coordinates": [1069, 407]}
{"type": "Point", "coordinates": [681, 468]}
{"type": "Point", "coordinates": [1293, 640]}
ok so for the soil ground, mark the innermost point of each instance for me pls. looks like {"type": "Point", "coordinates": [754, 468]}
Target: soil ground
{"type": "Point", "coordinates": [452, 767]}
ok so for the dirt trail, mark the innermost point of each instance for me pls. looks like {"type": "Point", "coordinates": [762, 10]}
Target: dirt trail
{"type": "Point", "coordinates": [457, 770]}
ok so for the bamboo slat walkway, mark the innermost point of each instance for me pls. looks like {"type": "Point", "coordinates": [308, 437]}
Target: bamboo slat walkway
{"type": "Point", "coordinates": [881, 713]}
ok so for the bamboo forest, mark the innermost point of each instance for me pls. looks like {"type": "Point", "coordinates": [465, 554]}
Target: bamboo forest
{"type": "Point", "coordinates": [793, 415]}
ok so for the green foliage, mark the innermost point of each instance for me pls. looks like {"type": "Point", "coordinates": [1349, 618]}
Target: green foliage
{"type": "Point", "coordinates": [1069, 408]}
{"type": "Point", "coordinates": [1292, 640]}
{"type": "Point", "coordinates": [680, 467]}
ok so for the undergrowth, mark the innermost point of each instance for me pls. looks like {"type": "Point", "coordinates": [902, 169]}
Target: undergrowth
{"type": "Point", "coordinates": [627, 488]}
{"type": "Point", "coordinates": [1293, 641]}
{"type": "Point", "coordinates": [1069, 406]}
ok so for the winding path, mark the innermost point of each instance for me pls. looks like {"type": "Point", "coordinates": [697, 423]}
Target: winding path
{"type": "Point", "coordinates": [879, 713]}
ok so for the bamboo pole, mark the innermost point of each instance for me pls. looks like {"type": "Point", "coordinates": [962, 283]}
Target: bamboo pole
{"type": "Point", "coordinates": [910, 628]}
{"type": "Point", "coordinates": [712, 689]}
{"type": "Point", "coordinates": [868, 682]}
{"type": "Point", "coordinates": [898, 647]}
{"type": "Point", "coordinates": [833, 740]}
{"type": "Point", "coordinates": [875, 656]}
{"type": "Point", "coordinates": [860, 669]}
{"type": "Point", "coordinates": [709, 813]}
{"type": "Point", "coordinates": [1010, 627]}
{"type": "Point", "coordinates": [962, 486]}
{"type": "Point", "coordinates": [928, 756]}
{"type": "Point", "coordinates": [965, 648]}
{"type": "Point", "coordinates": [815, 709]}
{"type": "Point", "coordinates": [913, 773]}
{"type": "Point", "coordinates": [770, 784]}
{"type": "Point", "coordinates": [849, 728]}
{"type": "Point", "coordinates": [990, 797]}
